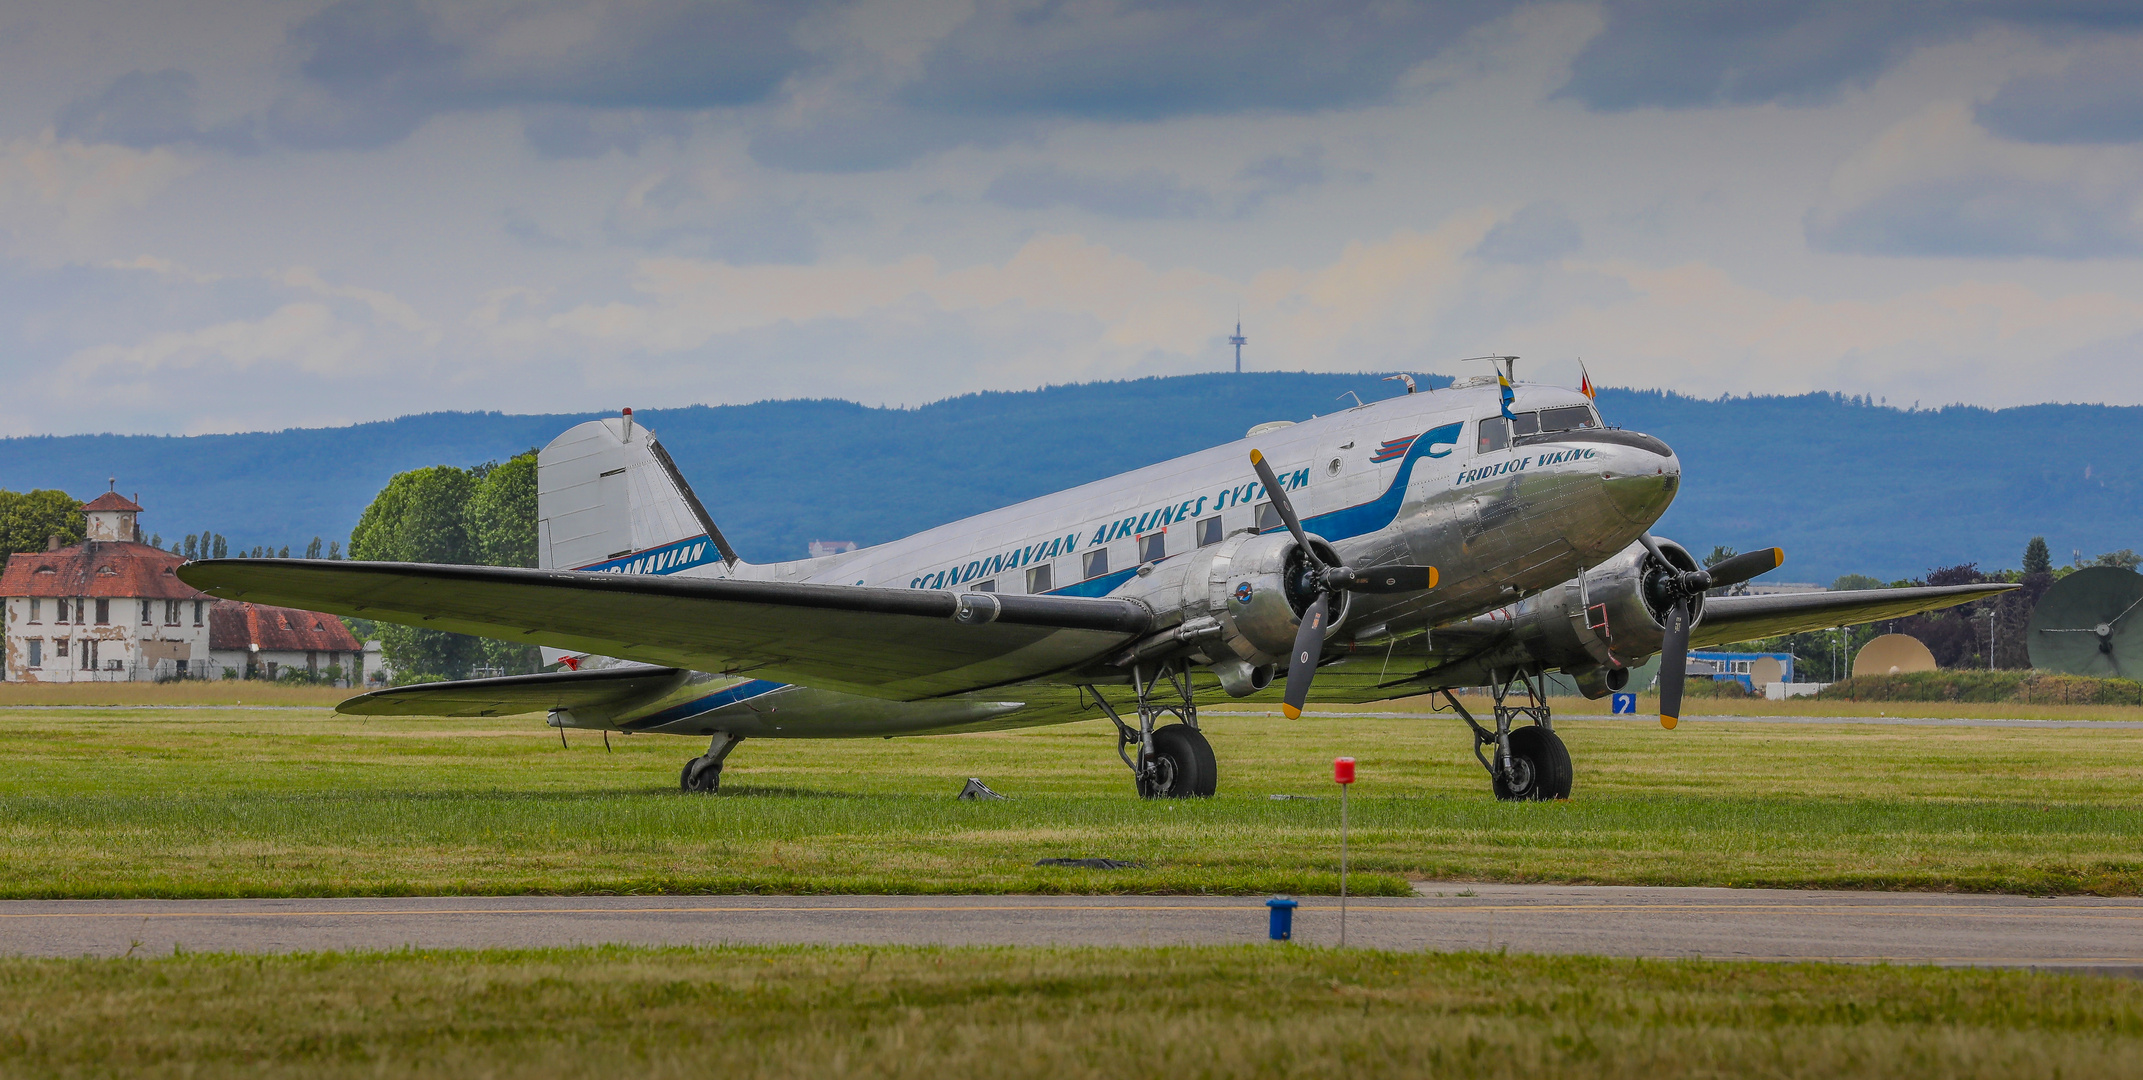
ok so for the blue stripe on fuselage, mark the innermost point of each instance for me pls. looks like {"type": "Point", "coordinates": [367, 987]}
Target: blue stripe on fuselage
{"type": "Point", "coordinates": [1380, 512]}
{"type": "Point", "coordinates": [743, 691]}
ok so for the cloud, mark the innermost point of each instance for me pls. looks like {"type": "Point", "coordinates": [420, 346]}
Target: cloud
{"type": "Point", "coordinates": [1119, 60]}
{"type": "Point", "coordinates": [58, 191]}
{"type": "Point", "coordinates": [1990, 216]}
{"type": "Point", "coordinates": [147, 109]}
{"type": "Point", "coordinates": [704, 215]}
{"type": "Point", "coordinates": [560, 131]}
{"type": "Point", "coordinates": [2096, 98]}
{"type": "Point", "coordinates": [1699, 53]}
{"type": "Point", "coordinates": [1937, 185]}
{"type": "Point", "coordinates": [375, 70]}
{"type": "Point", "coordinates": [1537, 233]}
{"type": "Point", "coordinates": [1145, 193]}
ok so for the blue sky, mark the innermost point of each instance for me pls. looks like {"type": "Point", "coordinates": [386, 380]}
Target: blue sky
{"type": "Point", "coordinates": [236, 216]}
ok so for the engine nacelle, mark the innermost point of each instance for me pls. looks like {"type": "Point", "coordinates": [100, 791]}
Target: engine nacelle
{"type": "Point", "coordinates": [1256, 586]}
{"type": "Point", "coordinates": [1596, 627]}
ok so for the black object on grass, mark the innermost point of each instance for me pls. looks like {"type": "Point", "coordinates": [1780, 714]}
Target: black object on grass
{"type": "Point", "coordinates": [1092, 864]}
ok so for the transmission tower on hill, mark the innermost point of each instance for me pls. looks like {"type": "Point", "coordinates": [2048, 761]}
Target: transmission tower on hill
{"type": "Point", "coordinates": [1238, 340]}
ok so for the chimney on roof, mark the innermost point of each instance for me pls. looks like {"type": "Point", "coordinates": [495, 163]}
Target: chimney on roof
{"type": "Point", "coordinates": [52, 542]}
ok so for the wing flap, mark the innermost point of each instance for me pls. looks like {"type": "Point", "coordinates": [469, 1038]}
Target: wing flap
{"type": "Point", "coordinates": [902, 644]}
{"type": "Point", "coordinates": [1728, 619]}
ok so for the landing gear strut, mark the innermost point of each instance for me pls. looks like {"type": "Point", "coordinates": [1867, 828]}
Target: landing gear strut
{"type": "Point", "coordinates": [704, 773]}
{"type": "Point", "coordinates": [1172, 762]}
{"type": "Point", "coordinates": [1529, 763]}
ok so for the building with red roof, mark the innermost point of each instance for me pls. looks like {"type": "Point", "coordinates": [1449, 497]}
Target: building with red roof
{"type": "Point", "coordinates": [112, 609]}
{"type": "Point", "coordinates": [264, 641]}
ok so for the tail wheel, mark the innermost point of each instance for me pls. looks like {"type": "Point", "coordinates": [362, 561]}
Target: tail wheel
{"type": "Point", "coordinates": [1181, 767]}
{"type": "Point", "coordinates": [1540, 767]}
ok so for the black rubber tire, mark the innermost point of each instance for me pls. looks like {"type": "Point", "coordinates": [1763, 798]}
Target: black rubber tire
{"type": "Point", "coordinates": [1544, 765]}
{"type": "Point", "coordinates": [707, 782]}
{"type": "Point", "coordinates": [1188, 770]}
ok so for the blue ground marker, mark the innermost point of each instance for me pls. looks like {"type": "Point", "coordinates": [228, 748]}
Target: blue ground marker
{"type": "Point", "coordinates": [1283, 917]}
{"type": "Point", "coordinates": [1623, 703]}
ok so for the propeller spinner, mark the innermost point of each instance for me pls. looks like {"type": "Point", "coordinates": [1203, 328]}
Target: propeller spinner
{"type": "Point", "coordinates": [1325, 581]}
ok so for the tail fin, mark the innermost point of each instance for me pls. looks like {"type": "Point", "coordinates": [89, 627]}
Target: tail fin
{"type": "Point", "coordinates": [608, 498]}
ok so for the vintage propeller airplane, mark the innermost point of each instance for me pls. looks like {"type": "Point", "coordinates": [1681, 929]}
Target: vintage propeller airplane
{"type": "Point", "coordinates": [1483, 534]}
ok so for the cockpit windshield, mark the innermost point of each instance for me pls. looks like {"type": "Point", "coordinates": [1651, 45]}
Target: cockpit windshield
{"type": "Point", "coordinates": [1497, 432]}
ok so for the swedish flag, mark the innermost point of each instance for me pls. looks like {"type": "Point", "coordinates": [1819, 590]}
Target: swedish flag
{"type": "Point", "coordinates": [1504, 381]}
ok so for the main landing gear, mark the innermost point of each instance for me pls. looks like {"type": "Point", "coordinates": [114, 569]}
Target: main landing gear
{"type": "Point", "coordinates": [704, 773]}
{"type": "Point", "coordinates": [1172, 761]}
{"type": "Point", "coordinates": [1531, 762]}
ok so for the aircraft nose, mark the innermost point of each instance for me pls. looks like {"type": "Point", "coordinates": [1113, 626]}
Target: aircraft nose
{"type": "Point", "coordinates": [1640, 478]}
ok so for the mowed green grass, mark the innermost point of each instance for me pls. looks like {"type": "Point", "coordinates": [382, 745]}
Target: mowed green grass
{"type": "Point", "coordinates": [1057, 1014]}
{"type": "Point", "coordinates": [218, 802]}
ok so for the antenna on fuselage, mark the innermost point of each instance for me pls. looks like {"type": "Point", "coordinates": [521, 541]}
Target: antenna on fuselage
{"type": "Point", "coordinates": [1509, 365]}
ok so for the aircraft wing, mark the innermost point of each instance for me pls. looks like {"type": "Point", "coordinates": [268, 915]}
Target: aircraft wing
{"type": "Point", "coordinates": [1728, 619]}
{"type": "Point", "coordinates": [902, 644]}
{"type": "Point", "coordinates": [607, 687]}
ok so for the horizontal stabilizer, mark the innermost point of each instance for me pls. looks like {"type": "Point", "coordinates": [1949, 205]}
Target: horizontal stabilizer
{"type": "Point", "coordinates": [608, 689]}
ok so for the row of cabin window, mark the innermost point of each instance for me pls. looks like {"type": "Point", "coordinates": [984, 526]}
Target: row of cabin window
{"type": "Point", "coordinates": [1152, 547]}
{"type": "Point", "coordinates": [1497, 433]}
{"type": "Point", "coordinates": [80, 607]}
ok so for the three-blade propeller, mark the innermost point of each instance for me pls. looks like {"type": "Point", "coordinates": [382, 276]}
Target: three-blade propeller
{"type": "Point", "coordinates": [1325, 581]}
{"type": "Point", "coordinates": [1683, 587]}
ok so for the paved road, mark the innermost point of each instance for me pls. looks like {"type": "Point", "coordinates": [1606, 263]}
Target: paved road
{"type": "Point", "coordinates": [1653, 718]}
{"type": "Point", "coordinates": [2096, 934]}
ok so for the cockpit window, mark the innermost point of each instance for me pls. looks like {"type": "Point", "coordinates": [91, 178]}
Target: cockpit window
{"type": "Point", "coordinates": [1525, 423]}
{"type": "Point", "coordinates": [1495, 434]}
{"type": "Point", "coordinates": [1567, 418]}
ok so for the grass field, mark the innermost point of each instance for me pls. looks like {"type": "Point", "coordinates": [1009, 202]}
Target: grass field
{"type": "Point", "coordinates": [229, 802]}
{"type": "Point", "coordinates": [1059, 1014]}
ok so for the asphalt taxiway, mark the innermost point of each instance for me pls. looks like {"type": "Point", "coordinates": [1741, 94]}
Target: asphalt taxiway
{"type": "Point", "coordinates": [2093, 934]}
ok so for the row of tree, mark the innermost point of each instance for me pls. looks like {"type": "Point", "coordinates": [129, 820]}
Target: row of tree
{"type": "Point", "coordinates": [483, 516]}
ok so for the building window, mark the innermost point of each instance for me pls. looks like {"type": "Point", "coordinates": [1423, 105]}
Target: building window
{"type": "Point", "coordinates": [87, 662]}
{"type": "Point", "coordinates": [1153, 547]}
{"type": "Point", "coordinates": [198, 607]}
{"type": "Point", "coordinates": [984, 586]}
{"type": "Point", "coordinates": [171, 613]}
{"type": "Point", "coordinates": [1269, 518]}
{"type": "Point", "coordinates": [146, 617]}
{"type": "Point", "coordinates": [1038, 580]}
{"type": "Point", "coordinates": [37, 605]}
{"type": "Point", "coordinates": [63, 610]}
{"type": "Point", "coordinates": [81, 611]}
{"type": "Point", "coordinates": [1097, 562]}
{"type": "Point", "coordinates": [37, 652]}
{"type": "Point", "coordinates": [104, 612]}
{"type": "Point", "coordinates": [1209, 530]}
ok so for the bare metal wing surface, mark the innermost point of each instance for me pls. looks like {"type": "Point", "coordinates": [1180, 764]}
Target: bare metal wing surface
{"type": "Point", "coordinates": [900, 644]}
{"type": "Point", "coordinates": [1728, 619]}
{"type": "Point", "coordinates": [610, 689]}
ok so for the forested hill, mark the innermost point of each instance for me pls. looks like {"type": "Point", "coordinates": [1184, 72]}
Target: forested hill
{"type": "Point", "coordinates": [1844, 486]}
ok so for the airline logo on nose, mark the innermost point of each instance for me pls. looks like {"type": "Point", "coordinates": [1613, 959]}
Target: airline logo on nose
{"type": "Point", "coordinates": [1393, 449]}
{"type": "Point", "coordinates": [1242, 593]}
